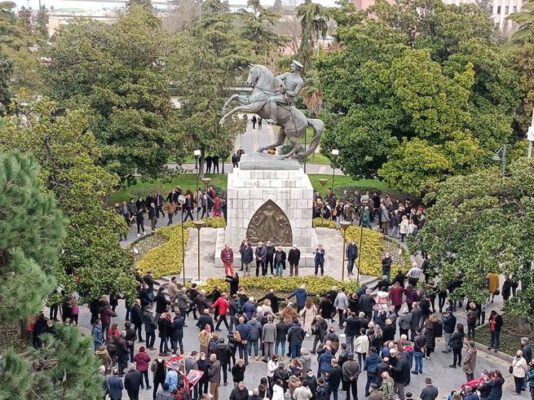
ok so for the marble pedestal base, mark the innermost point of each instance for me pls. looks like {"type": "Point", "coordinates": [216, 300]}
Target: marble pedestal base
{"type": "Point", "coordinates": [248, 190]}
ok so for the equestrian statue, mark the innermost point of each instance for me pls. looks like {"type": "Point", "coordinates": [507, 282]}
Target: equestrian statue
{"type": "Point", "coordinates": [272, 99]}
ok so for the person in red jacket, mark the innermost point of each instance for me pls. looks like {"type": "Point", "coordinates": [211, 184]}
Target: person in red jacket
{"type": "Point", "coordinates": [222, 306]}
{"type": "Point", "coordinates": [227, 257]}
{"type": "Point", "coordinates": [142, 361]}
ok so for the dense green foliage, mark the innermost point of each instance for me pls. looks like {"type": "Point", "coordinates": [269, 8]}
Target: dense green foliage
{"type": "Point", "coordinates": [31, 230]}
{"type": "Point", "coordinates": [314, 26]}
{"type": "Point", "coordinates": [118, 72]}
{"type": "Point", "coordinates": [207, 59]}
{"type": "Point", "coordinates": [483, 223]}
{"type": "Point", "coordinates": [92, 261]}
{"type": "Point", "coordinates": [418, 91]}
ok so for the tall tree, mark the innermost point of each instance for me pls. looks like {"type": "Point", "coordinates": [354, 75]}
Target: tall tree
{"type": "Point", "coordinates": [314, 25]}
{"type": "Point", "coordinates": [482, 223]}
{"type": "Point", "coordinates": [417, 71]}
{"type": "Point", "coordinates": [207, 60]}
{"type": "Point", "coordinates": [119, 73]}
{"type": "Point", "coordinates": [258, 28]}
{"type": "Point", "coordinates": [92, 260]}
{"type": "Point", "coordinates": [31, 231]}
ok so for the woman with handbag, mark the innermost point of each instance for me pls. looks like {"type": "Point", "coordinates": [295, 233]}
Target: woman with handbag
{"type": "Point", "coordinates": [519, 369]}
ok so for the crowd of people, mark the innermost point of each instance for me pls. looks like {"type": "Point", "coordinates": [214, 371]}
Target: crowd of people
{"type": "Point", "coordinates": [192, 205]}
{"type": "Point", "coordinates": [394, 217]}
{"type": "Point", "coordinates": [388, 336]}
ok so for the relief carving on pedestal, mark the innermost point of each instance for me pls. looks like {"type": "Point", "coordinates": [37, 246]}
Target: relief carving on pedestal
{"type": "Point", "coordinates": [269, 222]}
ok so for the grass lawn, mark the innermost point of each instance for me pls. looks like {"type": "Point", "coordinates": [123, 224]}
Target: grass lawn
{"type": "Point", "coordinates": [509, 342]}
{"type": "Point", "coordinates": [188, 181]}
{"type": "Point", "coordinates": [185, 181]}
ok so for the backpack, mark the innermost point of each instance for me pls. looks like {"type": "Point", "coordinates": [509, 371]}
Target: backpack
{"type": "Point", "coordinates": [322, 393]}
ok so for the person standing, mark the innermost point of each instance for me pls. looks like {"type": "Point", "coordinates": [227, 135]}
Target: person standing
{"type": "Point", "coordinates": [530, 380]}
{"type": "Point", "coordinates": [142, 361]}
{"type": "Point", "coordinates": [132, 382]}
{"type": "Point", "coordinates": [448, 321]}
{"type": "Point", "coordinates": [269, 257]}
{"type": "Point", "coordinates": [293, 258]}
{"type": "Point", "coordinates": [295, 337]}
{"type": "Point", "coordinates": [456, 342]}
{"type": "Point", "coordinates": [261, 254]}
{"type": "Point", "coordinates": [319, 259]}
{"type": "Point", "coordinates": [115, 385]}
{"type": "Point", "coordinates": [352, 255]}
{"type": "Point", "coordinates": [159, 371]}
{"type": "Point", "coordinates": [221, 305]}
{"type": "Point", "coordinates": [341, 303]}
{"type": "Point", "coordinates": [386, 265]}
{"type": "Point", "coordinates": [227, 258]}
{"type": "Point", "coordinates": [429, 392]}
{"type": "Point", "coordinates": [470, 361]}
{"type": "Point", "coordinates": [495, 325]}
{"type": "Point", "coordinates": [351, 371]}
{"type": "Point", "coordinates": [223, 353]}
{"type": "Point", "coordinates": [268, 336]}
{"type": "Point", "coordinates": [334, 377]}
{"type": "Point", "coordinates": [519, 371]}
{"type": "Point", "coordinates": [254, 120]}
{"type": "Point", "coordinates": [247, 255]}
{"type": "Point", "coordinates": [214, 374]}
{"type": "Point", "coordinates": [279, 261]}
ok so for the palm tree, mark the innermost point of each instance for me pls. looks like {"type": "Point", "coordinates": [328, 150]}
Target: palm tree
{"type": "Point", "coordinates": [314, 23]}
{"type": "Point", "coordinates": [311, 93]}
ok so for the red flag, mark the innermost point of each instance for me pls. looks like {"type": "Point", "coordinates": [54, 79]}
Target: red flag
{"type": "Point", "coordinates": [174, 362]}
{"type": "Point", "coordinates": [193, 377]}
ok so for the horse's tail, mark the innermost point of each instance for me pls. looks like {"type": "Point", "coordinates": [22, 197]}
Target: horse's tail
{"type": "Point", "coordinates": [318, 128]}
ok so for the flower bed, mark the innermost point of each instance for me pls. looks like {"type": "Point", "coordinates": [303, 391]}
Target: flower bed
{"type": "Point", "coordinates": [287, 284]}
{"type": "Point", "coordinates": [324, 223]}
{"type": "Point", "coordinates": [166, 259]}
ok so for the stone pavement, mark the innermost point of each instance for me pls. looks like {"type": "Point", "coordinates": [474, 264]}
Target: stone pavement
{"type": "Point", "coordinates": [445, 378]}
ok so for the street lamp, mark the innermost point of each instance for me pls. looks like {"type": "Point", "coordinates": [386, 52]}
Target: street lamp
{"type": "Point", "coordinates": [360, 251]}
{"type": "Point", "coordinates": [344, 225]}
{"type": "Point", "coordinates": [181, 200]}
{"type": "Point", "coordinates": [335, 153]}
{"type": "Point", "coordinates": [500, 155]}
{"type": "Point", "coordinates": [199, 225]}
{"type": "Point", "coordinates": [206, 182]}
{"type": "Point", "coordinates": [322, 181]}
{"type": "Point", "coordinates": [197, 154]}
{"type": "Point", "coordinates": [530, 136]}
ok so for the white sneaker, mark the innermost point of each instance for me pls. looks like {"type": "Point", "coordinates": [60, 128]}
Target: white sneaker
{"type": "Point", "coordinates": [138, 235]}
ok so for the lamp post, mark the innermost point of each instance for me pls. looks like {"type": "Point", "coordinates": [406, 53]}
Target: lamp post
{"type": "Point", "coordinates": [360, 251]}
{"type": "Point", "coordinates": [344, 225]}
{"type": "Point", "coordinates": [530, 136]}
{"type": "Point", "coordinates": [206, 182]}
{"type": "Point", "coordinates": [197, 154]}
{"type": "Point", "coordinates": [199, 225]}
{"type": "Point", "coordinates": [500, 155]}
{"type": "Point", "coordinates": [322, 181]}
{"type": "Point", "coordinates": [181, 200]}
{"type": "Point", "coordinates": [335, 153]}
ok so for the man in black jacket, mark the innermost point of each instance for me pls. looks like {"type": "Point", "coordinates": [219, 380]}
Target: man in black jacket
{"type": "Point", "coordinates": [274, 299]}
{"type": "Point", "coordinates": [334, 379]}
{"type": "Point", "coordinates": [223, 355]}
{"type": "Point", "coordinates": [293, 259]}
{"type": "Point", "coordinates": [400, 372]}
{"type": "Point", "coordinates": [367, 303]}
{"type": "Point", "coordinates": [269, 257]}
{"type": "Point", "coordinates": [261, 254]}
{"type": "Point", "coordinates": [132, 382]}
{"type": "Point", "coordinates": [352, 328]}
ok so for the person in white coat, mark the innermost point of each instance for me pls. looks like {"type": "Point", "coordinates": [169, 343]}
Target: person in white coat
{"type": "Point", "coordinates": [361, 346]}
{"type": "Point", "coordinates": [278, 390]}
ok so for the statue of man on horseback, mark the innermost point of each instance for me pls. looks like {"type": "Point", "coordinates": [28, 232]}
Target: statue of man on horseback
{"type": "Point", "coordinates": [272, 98]}
{"type": "Point", "coordinates": [291, 85]}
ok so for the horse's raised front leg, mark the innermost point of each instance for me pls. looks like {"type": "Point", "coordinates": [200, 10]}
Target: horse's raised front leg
{"type": "Point", "coordinates": [279, 141]}
{"type": "Point", "coordinates": [248, 108]}
{"type": "Point", "coordinates": [229, 101]}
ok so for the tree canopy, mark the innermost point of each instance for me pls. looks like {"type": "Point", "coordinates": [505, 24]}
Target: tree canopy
{"type": "Point", "coordinates": [483, 223]}
{"type": "Point", "coordinates": [418, 91]}
{"type": "Point", "coordinates": [118, 72]}
{"type": "Point", "coordinates": [92, 261]}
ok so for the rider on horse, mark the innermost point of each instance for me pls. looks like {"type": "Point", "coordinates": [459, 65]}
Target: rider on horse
{"type": "Point", "coordinates": [292, 84]}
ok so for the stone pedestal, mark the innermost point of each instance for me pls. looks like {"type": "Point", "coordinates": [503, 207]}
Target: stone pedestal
{"type": "Point", "coordinates": [290, 189]}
